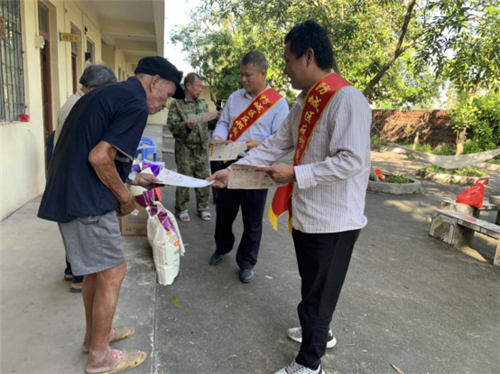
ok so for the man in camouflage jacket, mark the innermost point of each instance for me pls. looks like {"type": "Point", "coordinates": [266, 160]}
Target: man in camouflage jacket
{"type": "Point", "coordinates": [191, 146]}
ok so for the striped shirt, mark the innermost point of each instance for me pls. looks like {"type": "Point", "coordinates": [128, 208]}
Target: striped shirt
{"type": "Point", "coordinates": [329, 195]}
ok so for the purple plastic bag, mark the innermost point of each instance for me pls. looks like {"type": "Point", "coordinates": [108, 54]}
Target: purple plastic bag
{"type": "Point", "coordinates": [136, 168]}
{"type": "Point", "coordinates": [155, 166]}
{"type": "Point", "coordinates": [165, 220]}
{"type": "Point", "coordinates": [146, 199]}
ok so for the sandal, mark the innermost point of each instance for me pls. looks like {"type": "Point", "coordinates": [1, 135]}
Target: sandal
{"type": "Point", "coordinates": [204, 215]}
{"type": "Point", "coordinates": [130, 360]}
{"type": "Point", "coordinates": [184, 217]}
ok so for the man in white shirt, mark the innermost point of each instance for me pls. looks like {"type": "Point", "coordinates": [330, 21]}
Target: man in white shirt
{"type": "Point", "coordinates": [329, 128]}
{"type": "Point", "coordinates": [250, 115]}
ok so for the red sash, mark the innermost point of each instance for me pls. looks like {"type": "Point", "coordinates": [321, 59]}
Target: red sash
{"type": "Point", "coordinates": [259, 105]}
{"type": "Point", "coordinates": [315, 103]}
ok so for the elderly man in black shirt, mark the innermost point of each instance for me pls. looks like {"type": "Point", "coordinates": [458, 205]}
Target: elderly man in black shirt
{"type": "Point", "coordinates": [85, 191]}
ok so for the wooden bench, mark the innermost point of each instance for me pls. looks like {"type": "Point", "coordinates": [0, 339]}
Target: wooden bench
{"type": "Point", "coordinates": [448, 204]}
{"type": "Point", "coordinates": [457, 229]}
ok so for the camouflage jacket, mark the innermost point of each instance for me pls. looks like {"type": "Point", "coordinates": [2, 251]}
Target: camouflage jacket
{"type": "Point", "coordinates": [178, 116]}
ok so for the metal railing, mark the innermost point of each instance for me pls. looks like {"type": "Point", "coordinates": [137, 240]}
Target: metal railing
{"type": "Point", "coordinates": [12, 98]}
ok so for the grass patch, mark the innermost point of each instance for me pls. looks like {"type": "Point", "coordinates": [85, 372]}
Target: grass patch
{"type": "Point", "coordinates": [469, 171]}
{"type": "Point", "coordinates": [397, 179]}
{"type": "Point", "coordinates": [378, 141]}
{"type": "Point", "coordinates": [495, 161]}
{"type": "Point", "coordinates": [441, 150]}
{"type": "Point", "coordinates": [393, 179]}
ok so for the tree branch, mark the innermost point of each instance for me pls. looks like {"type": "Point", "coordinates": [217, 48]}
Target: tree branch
{"type": "Point", "coordinates": [397, 52]}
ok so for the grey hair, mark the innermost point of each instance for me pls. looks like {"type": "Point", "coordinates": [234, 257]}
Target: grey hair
{"type": "Point", "coordinates": [96, 75]}
{"type": "Point", "coordinates": [255, 58]}
{"type": "Point", "coordinates": [190, 78]}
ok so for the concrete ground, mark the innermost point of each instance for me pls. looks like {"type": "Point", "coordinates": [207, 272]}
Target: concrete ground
{"type": "Point", "coordinates": [408, 299]}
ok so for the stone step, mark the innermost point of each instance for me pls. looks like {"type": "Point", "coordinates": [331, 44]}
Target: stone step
{"type": "Point", "coordinates": [168, 151]}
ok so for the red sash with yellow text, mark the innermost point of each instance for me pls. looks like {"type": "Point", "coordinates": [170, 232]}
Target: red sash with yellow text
{"type": "Point", "coordinates": [259, 105]}
{"type": "Point", "coordinates": [315, 103]}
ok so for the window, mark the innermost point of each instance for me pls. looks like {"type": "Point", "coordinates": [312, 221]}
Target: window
{"type": "Point", "coordinates": [12, 101]}
{"type": "Point", "coordinates": [89, 56]}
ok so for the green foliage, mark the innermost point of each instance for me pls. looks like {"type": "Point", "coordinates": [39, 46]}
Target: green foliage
{"type": "Point", "coordinates": [390, 178]}
{"type": "Point", "coordinates": [398, 179]}
{"type": "Point", "coordinates": [469, 171]}
{"type": "Point", "coordinates": [495, 161]}
{"type": "Point", "coordinates": [444, 150]}
{"type": "Point", "coordinates": [221, 31]}
{"type": "Point", "coordinates": [470, 29]}
{"type": "Point", "coordinates": [375, 140]}
{"type": "Point", "coordinates": [482, 116]}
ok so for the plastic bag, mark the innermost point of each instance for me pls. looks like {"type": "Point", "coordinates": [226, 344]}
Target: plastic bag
{"type": "Point", "coordinates": [473, 195]}
{"type": "Point", "coordinates": [379, 174]}
{"type": "Point", "coordinates": [166, 241]}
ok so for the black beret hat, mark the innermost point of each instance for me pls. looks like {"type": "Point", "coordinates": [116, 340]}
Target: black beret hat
{"type": "Point", "coordinates": [156, 65]}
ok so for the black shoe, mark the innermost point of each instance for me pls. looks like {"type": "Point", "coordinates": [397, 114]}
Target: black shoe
{"type": "Point", "coordinates": [246, 275]}
{"type": "Point", "coordinates": [216, 259]}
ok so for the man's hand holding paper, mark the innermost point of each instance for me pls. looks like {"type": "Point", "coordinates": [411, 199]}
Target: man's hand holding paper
{"type": "Point", "coordinates": [225, 150]}
{"type": "Point", "coordinates": [203, 117]}
{"type": "Point", "coordinates": [219, 178]}
{"type": "Point", "coordinates": [248, 177]}
{"type": "Point", "coordinates": [279, 173]}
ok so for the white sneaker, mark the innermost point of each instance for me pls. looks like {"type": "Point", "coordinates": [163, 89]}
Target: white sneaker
{"type": "Point", "coordinates": [295, 333]}
{"type": "Point", "coordinates": [295, 368]}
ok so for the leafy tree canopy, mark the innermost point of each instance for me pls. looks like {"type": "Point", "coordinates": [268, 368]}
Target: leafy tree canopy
{"type": "Point", "coordinates": [396, 51]}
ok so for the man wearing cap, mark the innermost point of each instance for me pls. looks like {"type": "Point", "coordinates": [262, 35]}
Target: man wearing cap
{"type": "Point", "coordinates": [85, 191]}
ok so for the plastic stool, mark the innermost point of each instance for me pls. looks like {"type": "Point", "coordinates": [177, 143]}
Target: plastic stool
{"type": "Point", "coordinates": [146, 147]}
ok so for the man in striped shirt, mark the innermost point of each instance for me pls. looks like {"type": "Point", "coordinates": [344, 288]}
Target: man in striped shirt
{"type": "Point", "coordinates": [329, 186]}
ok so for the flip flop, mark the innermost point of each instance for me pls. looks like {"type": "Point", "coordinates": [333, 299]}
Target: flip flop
{"type": "Point", "coordinates": [68, 279]}
{"type": "Point", "coordinates": [204, 215]}
{"type": "Point", "coordinates": [184, 217]}
{"type": "Point", "coordinates": [122, 332]}
{"type": "Point", "coordinates": [130, 360]}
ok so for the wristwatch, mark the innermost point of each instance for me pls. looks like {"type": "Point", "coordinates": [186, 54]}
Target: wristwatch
{"type": "Point", "coordinates": [131, 178]}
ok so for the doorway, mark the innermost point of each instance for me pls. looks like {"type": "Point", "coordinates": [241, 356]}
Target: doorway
{"type": "Point", "coordinates": [43, 28]}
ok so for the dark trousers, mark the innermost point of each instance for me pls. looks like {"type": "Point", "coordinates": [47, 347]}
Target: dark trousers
{"type": "Point", "coordinates": [323, 260]}
{"type": "Point", "coordinates": [252, 204]}
{"type": "Point", "coordinates": [214, 167]}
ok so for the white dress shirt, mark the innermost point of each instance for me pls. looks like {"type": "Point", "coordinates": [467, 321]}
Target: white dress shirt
{"type": "Point", "coordinates": [267, 125]}
{"type": "Point", "coordinates": [329, 195]}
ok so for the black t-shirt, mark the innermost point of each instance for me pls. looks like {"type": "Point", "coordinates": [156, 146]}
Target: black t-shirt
{"type": "Point", "coordinates": [116, 114]}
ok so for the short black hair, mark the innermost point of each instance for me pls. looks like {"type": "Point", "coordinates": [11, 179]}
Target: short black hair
{"type": "Point", "coordinates": [190, 78]}
{"type": "Point", "coordinates": [96, 75]}
{"type": "Point", "coordinates": [309, 34]}
{"type": "Point", "coordinates": [255, 58]}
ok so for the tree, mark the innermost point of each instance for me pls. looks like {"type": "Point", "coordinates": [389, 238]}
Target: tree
{"type": "Point", "coordinates": [470, 32]}
{"type": "Point", "coordinates": [360, 40]}
{"type": "Point", "coordinates": [398, 52]}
